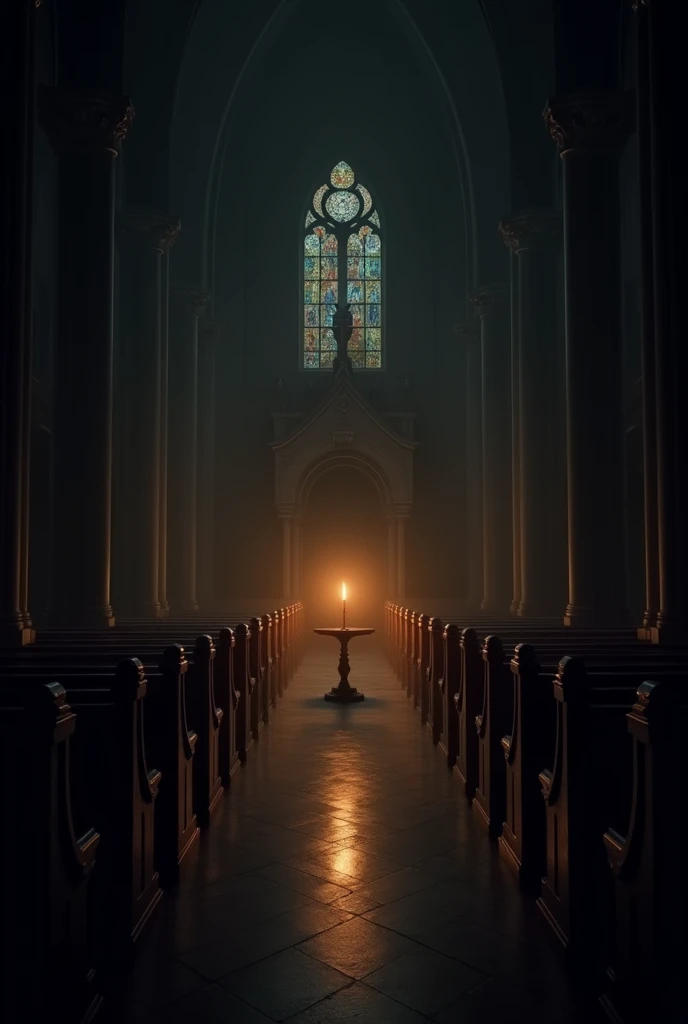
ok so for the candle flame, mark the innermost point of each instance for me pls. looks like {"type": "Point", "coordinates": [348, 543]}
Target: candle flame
{"type": "Point", "coordinates": [343, 591]}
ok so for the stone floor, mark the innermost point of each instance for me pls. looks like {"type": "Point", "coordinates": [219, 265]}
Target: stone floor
{"type": "Point", "coordinates": [344, 879]}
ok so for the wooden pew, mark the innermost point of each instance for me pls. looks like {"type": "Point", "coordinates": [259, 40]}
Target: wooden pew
{"type": "Point", "coordinates": [206, 717]}
{"type": "Point", "coordinates": [270, 694]}
{"type": "Point", "coordinates": [277, 656]}
{"type": "Point", "coordinates": [645, 974]}
{"type": "Point", "coordinates": [255, 671]}
{"type": "Point", "coordinates": [242, 682]}
{"type": "Point", "coordinates": [489, 800]}
{"type": "Point", "coordinates": [228, 698]}
{"type": "Point", "coordinates": [421, 690]}
{"type": "Point", "coordinates": [527, 748]}
{"type": "Point", "coordinates": [449, 737]}
{"type": "Point", "coordinates": [468, 703]}
{"type": "Point", "coordinates": [46, 963]}
{"type": "Point", "coordinates": [436, 685]}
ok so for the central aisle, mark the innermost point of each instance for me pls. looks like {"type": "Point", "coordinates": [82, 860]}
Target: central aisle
{"type": "Point", "coordinates": [344, 879]}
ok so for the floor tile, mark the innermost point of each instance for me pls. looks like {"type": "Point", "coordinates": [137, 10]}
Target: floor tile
{"type": "Point", "coordinates": [210, 1005]}
{"type": "Point", "coordinates": [285, 984]}
{"type": "Point", "coordinates": [301, 881]}
{"type": "Point", "coordinates": [358, 1003]}
{"type": "Point", "coordinates": [355, 903]}
{"type": "Point", "coordinates": [357, 947]}
{"type": "Point", "coordinates": [424, 980]}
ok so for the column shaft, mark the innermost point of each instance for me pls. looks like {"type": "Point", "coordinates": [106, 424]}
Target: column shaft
{"type": "Point", "coordinates": [86, 130]}
{"type": "Point", "coordinates": [164, 421]}
{"type": "Point", "coordinates": [590, 130]}
{"type": "Point", "coordinates": [401, 557]}
{"type": "Point", "coordinates": [515, 436]}
{"type": "Point", "coordinates": [533, 239]}
{"type": "Point", "coordinates": [182, 488]}
{"type": "Point", "coordinates": [473, 542]}
{"type": "Point", "coordinates": [492, 303]}
{"type": "Point", "coordinates": [286, 557]}
{"type": "Point", "coordinates": [209, 333]}
{"type": "Point", "coordinates": [669, 203]}
{"type": "Point", "coordinates": [144, 236]}
{"type": "Point", "coordinates": [17, 49]}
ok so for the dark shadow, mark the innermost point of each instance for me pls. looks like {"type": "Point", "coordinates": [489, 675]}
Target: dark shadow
{"type": "Point", "coordinates": [320, 702]}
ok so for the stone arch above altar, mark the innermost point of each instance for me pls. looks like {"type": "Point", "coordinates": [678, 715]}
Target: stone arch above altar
{"type": "Point", "coordinates": [344, 430]}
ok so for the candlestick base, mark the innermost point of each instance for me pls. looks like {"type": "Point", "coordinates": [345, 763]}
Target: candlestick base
{"type": "Point", "coordinates": [344, 694]}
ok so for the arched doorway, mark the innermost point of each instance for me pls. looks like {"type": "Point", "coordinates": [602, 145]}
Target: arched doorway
{"type": "Point", "coordinates": [344, 537]}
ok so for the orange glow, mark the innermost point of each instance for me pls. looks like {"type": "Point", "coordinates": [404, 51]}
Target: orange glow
{"type": "Point", "coordinates": [343, 591]}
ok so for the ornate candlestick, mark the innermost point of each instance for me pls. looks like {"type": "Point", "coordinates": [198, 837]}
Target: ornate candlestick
{"type": "Point", "coordinates": [344, 694]}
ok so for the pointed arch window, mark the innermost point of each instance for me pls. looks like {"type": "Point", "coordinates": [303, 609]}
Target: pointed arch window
{"type": "Point", "coordinates": [342, 263]}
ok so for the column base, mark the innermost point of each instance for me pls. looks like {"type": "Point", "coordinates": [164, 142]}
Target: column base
{"type": "Point", "coordinates": [341, 695]}
{"type": "Point", "coordinates": [594, 618]}
{"type": "Point", "coordinates": [87, 618]}
{"type": "Point", "coordinates": [16, 635]}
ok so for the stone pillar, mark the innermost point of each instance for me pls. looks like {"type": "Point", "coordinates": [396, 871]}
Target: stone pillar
{"type": "Point", "coordinates": [16, 180]}
{"type": "Point", "coordinates": [209, 333]}
{"type": "Point", "coordinates": [391, 557]}
{"type": "Point", "coordinates": [144, 237]}
{"type": "Point", "coordinates": [188, 303]}
{"type": "Point", "coordinates": [647, 336]}
{"type": "Point", "coordinates": [492, 304]}
{"type": "Point", "coordinates": [515, 435]}
{"type": "Point", "coordinates": [469, 332]}
{"type": "Point", "coordinates": [534, 239]}
{"type": "Point", "coordinates": [164, 420]}
{"type": "Point", "coordinates": [591, 129]}
{"type": "Point", "coordinates": [287, 522]}
{"type": "Point", "coordinates": [86, 130]}
{"type": "Point", "coordinates": [669, 209]}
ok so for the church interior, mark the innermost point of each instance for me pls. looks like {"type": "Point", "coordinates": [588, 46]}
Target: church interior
{"type": "Point", "coordinates": [343, 505]}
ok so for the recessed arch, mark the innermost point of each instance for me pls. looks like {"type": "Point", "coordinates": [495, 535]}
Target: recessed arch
{"type": "Point", "coordinates": [330, 462]}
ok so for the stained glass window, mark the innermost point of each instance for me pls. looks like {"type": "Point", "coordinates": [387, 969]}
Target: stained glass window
{"type": "Point", "coordinates": [342, 263]}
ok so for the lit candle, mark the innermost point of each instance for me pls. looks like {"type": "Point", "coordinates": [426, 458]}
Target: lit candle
{"type": "Point", "coordinates": [343, 605]}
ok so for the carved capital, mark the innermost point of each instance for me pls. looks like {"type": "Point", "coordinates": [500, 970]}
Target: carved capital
{"type": "Point", "coordinates": [192, 296]}
{"type": "Point", "coordinates": [78, 121]}
{"type": "Point", "coordinates": [489, 298]}
{"type": "Point", "coordinates": [210, 331]}
{"type": "Point", "coordinates": [598, 122]}
{"type": "Point", "coordinates": [149, 229]}
{"type": "Point", "coordinates": [529, 230]}
{"type": "Point", "coordinates": [468, 331]}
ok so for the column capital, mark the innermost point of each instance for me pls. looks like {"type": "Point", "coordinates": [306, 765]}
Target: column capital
{"type": "Point", "coordinates": [489, 298]}
{"type": "Point", "coordinates": [76, 120]}
{"type": "Point", "coordinates": [148, 229]}
{"type": "Point", "coordinates": [192, 296]}
{"type": "Point", "coordinates": [210, 331]}
{"type": "Point", "coordinates": [590, 122]}
{"type": "Point", "coordinates": [531, 230]}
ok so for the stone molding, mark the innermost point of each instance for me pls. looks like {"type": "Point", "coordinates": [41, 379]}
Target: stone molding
{"type": "Point", "coordinates": [149, 228]}
{"type": "Point", "coordinates": [590, 122]}
{"type": "Point", "coordinates": [531, 230]}
{"type": "Point", "coordinates": [79, 121]}
{"type": "Point", "coordinates": [489, 298]}
{"type": "Point", "coordinates": [192, 296]}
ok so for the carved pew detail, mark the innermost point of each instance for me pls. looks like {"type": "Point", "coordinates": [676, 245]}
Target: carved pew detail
{"type": "Point", "coordinates": [449, 740]}
{"type": "Point", "coordinates": [242, 682]}
{"type": "Point", "coordinates": [206, 717]}
{"type": "Point", "coordinates": [468, 703]}
{"type": "Point", "coordinates": [47, 961]}
{"type": "Point", "coordinates": [255, 671]}
{"type": "Point", "coordinates": [266, 657]}
{"type": "Point", "coordinates": [522, 843]}
{"type": "Point", "coordinates": [277, 654]}
{"type": "Point", "coordinates": [421, 691]}
{"type": "Point", "coordinates": [228, 699]}
{"type": "Point", "coordinates": [436, 678]}
{"type": "Point", "coordinates": [172, 745]}
{"type": "Point", "coordinates": [489, 801]}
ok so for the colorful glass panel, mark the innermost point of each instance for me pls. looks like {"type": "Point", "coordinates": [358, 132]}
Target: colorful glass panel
{"type": "Point", "coordinates": [342, 175]}
{"type": "Point", "coordinates": [342, 206]}
{"type": "Point", "coordinates": [325, 245]}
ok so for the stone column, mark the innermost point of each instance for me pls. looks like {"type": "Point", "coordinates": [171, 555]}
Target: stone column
{"type": "Point", "coordinates": [209, 333]}
{"type": "Point", "coordinates": [287, 567]}
{"type": "Point", "coordinates": [16, 179]}
{"type": "Point", "coordinates": [86, 130]}
{"type": "Point", "coordinates": [492, 303]}
{"type": "Point", "coordinates": [591, 130]}
{"type": "Point", "coordinates": [469, 333]}
{"type": "Point", "coordinates": [188, 302]}
{"type": "Point", "coordinates": [647, 335]}
{"type": "Point", "coordinates": [669, 209]}
{"type": "Point", "coordinates": [391, 557]}
{"type": "Point", "coordinates": [164, 420]}
{"type": "Point", "coordinates": [534, 239]}
{"type": "Point", "coordinates": [144, 237]}
{"type": "Point", "coordinates": [515, 436]}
